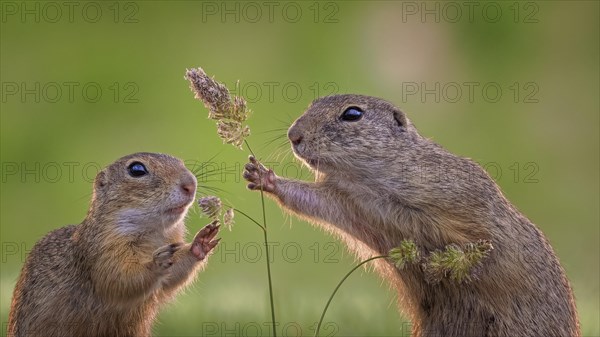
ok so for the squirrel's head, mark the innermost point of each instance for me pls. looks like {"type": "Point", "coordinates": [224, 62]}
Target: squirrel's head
{"type": "Point", "coordinates": [144, 191]}
{"type": "Point", "coordinates": [344, 133]}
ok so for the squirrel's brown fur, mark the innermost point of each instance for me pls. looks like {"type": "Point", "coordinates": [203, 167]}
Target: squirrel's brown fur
{"type": "Point", "coordinates": [108, 275]}
{"type": "Point", "coordinates": [379, 182]}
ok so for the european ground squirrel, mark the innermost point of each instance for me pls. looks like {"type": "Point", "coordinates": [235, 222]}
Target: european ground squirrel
{"type": "Point", "coordinates": [108, 275]}
{"type": "Point", "coordinates": [379, 182]}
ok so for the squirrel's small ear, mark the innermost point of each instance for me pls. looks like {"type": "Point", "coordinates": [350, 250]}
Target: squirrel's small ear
{"type": "Point", "coordinates": [101, 180]}
{"type": "Point", "coordinates": [400, 118]}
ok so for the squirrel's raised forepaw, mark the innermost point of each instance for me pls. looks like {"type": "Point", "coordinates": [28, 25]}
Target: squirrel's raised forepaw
{"type": "Point", "coordinates": [254, 171]}
{"type": "Point", "coordinates": [203, 242]}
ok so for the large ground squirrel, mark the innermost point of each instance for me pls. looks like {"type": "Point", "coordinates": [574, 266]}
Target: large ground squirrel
{"type": "Point", "coordinates": [108, 275]}
{"type": "Point", "coordinates": [378, 182]}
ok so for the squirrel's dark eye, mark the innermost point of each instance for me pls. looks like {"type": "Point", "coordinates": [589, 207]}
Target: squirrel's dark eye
{"type": "Point", "coordinates": [352, 114]}
{"type": "Point", "coordinates": [137, 169]}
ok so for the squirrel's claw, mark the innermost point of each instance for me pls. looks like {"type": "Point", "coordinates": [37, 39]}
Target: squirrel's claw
{"type": "Point", "coordinates": [163, 256]}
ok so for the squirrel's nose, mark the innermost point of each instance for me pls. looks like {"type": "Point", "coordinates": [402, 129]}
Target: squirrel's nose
{"type": "Point", "coordinates": [295, 136]}
{"type": "Point", "coordinates": [188, 186]}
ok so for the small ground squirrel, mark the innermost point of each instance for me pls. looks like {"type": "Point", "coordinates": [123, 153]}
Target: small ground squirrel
{"type": "Point", "coordinates": [379, 182]}
{"type": "Point", "coordinates": [108, 275]}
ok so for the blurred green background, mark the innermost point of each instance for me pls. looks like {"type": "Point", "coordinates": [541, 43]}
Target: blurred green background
{"type": "Point", "coordinates": [86, 83]}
